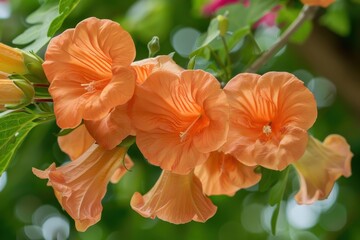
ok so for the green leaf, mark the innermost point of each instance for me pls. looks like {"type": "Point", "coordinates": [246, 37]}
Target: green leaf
{"type": "Point", "coordinates": [274, 218]}
{"type": "Point", "coordinates": [249, 50]}
{"type": "Point", "coordinates": [65, 8]}
{"type": "Point", "coordinates": [278, 190]}
{"type": "Point", "coordinates": [268, 179]}
{"type": "Point", "coordinates": [237, 36]}
{"type": "Point", "coordinates": [204, 40]}
{"type": "Point", "coordinates": [276, 195]}
{"type": "Point", "coordinates": [14, 127]}
{"type": "Point", "coordinates": [46, 20]}
{"type": "Point", "coordinates": [212, 32]}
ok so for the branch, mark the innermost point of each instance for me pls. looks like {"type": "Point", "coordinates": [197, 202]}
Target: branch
{"type": "Point", "coordinates": [306, 13]}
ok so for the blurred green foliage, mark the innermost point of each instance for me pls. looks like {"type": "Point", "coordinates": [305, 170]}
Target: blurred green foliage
{"type": "Point", "coordinates": [244, 216]}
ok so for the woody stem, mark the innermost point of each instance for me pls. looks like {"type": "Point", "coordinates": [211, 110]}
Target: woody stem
{"type": "Point", "coordinates": [41, 85]}
{"type": "Point", "coordinates": [38, 100]}
{"type": "Point", "coordinates": [306, 13]}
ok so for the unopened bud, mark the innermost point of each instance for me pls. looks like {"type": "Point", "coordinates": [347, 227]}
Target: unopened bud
{"type": "Point", "coordinates": [11, 60]}
{"type": "Point", "coordinates": [15, 94]}
{"type": "Point", "coordinates": [223, 24]}
{"type": "Point", "coordinates": [21, 64]}
{"type": "Point", "coordinates": [191, 64]}
{"type": "Point", "coordinates": [33, 64]}
{"type": "Point", "coordinates": [153, 46]}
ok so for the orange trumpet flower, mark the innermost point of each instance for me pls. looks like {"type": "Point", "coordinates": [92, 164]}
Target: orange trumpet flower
{"type": "Point", "coordinates": [269, 119]}
{"type": "Point", "coordinates": [180, 119]}
{"type": "Point", "coordinates": [321, 165]}
{"type": "Point", "coordinates": [176, 199]}
{"type": "Point", "coordinates": [81, 184]}
{"type": "Point", "coordinates": [89, 71]}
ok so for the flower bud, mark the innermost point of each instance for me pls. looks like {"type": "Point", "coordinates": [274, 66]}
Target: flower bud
{"type": "Point", "coordinates": [19, 63]}
{"type": "Point", "coordinates": [223, 24]}
{"type": "Point", "coordinates": [33, 64]}
{"type": "Point", "coordinates": [15, 93]}
{"type": "Point", "coordinates": [191, 64]}
{"type": "Point", "coordinates": [153, 46]}
{"type": "Point", "coordinates": [11, 60]}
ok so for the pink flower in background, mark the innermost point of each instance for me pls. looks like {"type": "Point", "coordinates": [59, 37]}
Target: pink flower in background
{"type": "Point", "coordinates": [212, 7]}
{"type": "Point", "coordinates": [269, 19]}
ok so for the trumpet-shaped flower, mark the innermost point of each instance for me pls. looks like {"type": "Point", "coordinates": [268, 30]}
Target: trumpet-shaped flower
{"type": "Point", "coordinates": [89, 71]}
{"type": "Point", "coordinates": [223, 174]}
{"type": "Point", "coordinates": [269, 119]}
{"type": "Point", "coordinates": [176, 199]}
{"type": "Point", "coordinates": [322, 3]}
{"type": "Point", "coordinates": [180, 119]}
{"type": "Point", "coordinates": [79, 141]}
{"type": "Point", "coordinates": [320, 166]}
{"type": "Point", "coordinates": [81, 184]}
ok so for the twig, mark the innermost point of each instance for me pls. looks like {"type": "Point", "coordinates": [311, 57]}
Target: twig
{"type": "Point", "coordinates": [306, 13]}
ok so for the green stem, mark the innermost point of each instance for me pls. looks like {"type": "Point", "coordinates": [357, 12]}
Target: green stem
{"type": "Point", "coordinates": [306, 13]}
{"type": "Point", "coordinates": [218, 61]}
{"type": "Point", "coordinates": [228, 60]}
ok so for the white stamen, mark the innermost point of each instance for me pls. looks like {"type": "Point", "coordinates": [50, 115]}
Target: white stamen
{"type": "Point", "coordinates": [267, 130]}
{"type": "Point", "coordinates": [183, 135]}
{"type": "Point", "coordinates": [89, 86]}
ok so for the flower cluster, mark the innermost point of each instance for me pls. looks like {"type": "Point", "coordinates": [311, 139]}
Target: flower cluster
{"type": "Point", "coordinates": [207, 140]}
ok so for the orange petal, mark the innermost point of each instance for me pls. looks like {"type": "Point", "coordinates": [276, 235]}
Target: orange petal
{"type": "Point", "coordinates": [88, 68]}
{"type": "Point", "coordinates": [81, 184]}
{"type": "Point", "coordinates": [269, 119]}
{"type": "Point", "coordinates": [117, 92]}
{"type": "Point", "coordinates": [321, 165]}
{"type": "Point", "coordinates": [179, 119]}
{"type": "Point", "coordinates": [147, 66]}
{"type": "Point", "coordinates": [322, 3]}
{"type": "Point", "coordinates": [112, 129]}
{"type": "Point", "coordinates": [175, 199]}
{"type": "Point", "coordinates": [223, 174]}
{"type": "Point", "coordinates": [76, 142]}
{"type": "Point", "coordinates": [4, 75]}
{"type": "Point", "coordinates": [166, 152]}
{"type": "Point", "coordinates": [89, 49]}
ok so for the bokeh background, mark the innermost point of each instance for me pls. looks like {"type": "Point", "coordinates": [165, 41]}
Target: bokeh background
{"type": "Point", "coordinates": [328, 61]}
